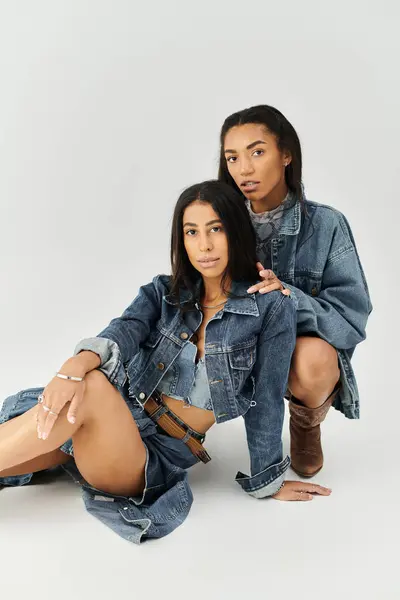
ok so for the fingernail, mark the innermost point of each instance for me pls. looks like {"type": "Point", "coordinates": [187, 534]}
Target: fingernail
{"type": "Point", "coordinates": [250, 290]}
{"type": "Point", "coordinates": [44, 436]}
{"type": "Point", "coordinates": [71, 420]}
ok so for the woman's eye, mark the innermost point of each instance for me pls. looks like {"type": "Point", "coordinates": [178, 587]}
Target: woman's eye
{"type": "Point", "coordinates": [260, 152]}
{"type": "Point", "coordinates": [190, 232]}
{"type": "Point", "coordinates": [231, 159]}
{"type": "Point", "coordinates": [216, 228]}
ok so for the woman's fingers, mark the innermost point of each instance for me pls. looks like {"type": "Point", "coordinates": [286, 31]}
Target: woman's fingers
{"type": "Point", "coordinates": [50, 408]}
{"type": "Point", "coordinates": [256, 287]}
{"type": "Point", "coordinates": [267, 285]}
{"type": "Point", "coordinates": [302, 497]}
{"type": "Point", "coordinates": [259, 266]}
{"type": "Point", "coordinates": [73, 409]}
{"type": "Point", "coordinates": [51, 418]}
{"type": "Point", "coordinates": [289, 494]}
{"type": "Point", "coordinates": [51, 404]}
{"type": "Point", "coordinates": [267, 274]}
{"type": "Point", "coordinates": [276, 285]}
{"type": "Point", "coordinates": [313, 488]}
{"type": "Point", "coordinates": [40, 416]}
{"type": "Point", "coordinates": [300, 491]}
{"type": "Point", "coordinates": [270, 283]}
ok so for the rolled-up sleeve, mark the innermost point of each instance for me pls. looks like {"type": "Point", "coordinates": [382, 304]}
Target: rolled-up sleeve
{"type": "Point", "coordinates": [258, 486]}
{"type": "Point", "coordinates": [118, 343]}
{"type": "Point", "coordinates": [110, 357]}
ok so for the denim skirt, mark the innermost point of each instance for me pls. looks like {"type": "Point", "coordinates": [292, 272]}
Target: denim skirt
{"type": "Point", "coordinates": [167, 497]}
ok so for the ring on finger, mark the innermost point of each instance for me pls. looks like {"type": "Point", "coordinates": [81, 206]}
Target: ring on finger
{"type": "Point", "coordinates": [46, 408]}
{"type": "Point", "coordinates": [54, 414]}
{"type": "Point", "coordinates": [40, 398]}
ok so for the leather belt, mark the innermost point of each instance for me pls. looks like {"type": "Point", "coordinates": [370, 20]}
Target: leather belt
{"type": "Point", "coordinates": [174, 429]}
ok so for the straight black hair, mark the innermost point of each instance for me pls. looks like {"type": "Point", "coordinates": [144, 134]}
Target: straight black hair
{"type": "Point", "coordinates": [287, 140]}
{"type": "Point", "coordinates": [230, 208]}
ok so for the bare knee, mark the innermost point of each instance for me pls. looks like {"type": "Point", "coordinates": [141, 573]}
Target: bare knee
{"type": "Point", "coordinates": [99, 393]}
{"type": "Point", "coordinates": [314, 366]}
{"type": "Point", "coordinates": [96, 382]}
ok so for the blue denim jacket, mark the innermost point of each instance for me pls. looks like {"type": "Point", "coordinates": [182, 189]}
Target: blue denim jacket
{"type": "Point", "coordinates": [315, 256]}
{"type": "Point", "coordinates": [248, 348]}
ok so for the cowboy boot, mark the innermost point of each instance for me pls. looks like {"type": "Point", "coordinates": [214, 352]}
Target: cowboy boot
{"type": "Point", "coordinates": [305, 435]}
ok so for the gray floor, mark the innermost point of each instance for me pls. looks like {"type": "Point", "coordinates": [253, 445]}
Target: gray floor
{"type": "Point", "coordinates": [343, 546]}
{"type": "Point", "coordinates": [108, 109]}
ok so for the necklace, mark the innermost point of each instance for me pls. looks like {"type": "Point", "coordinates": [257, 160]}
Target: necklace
{"type": "Point", "coordinates": [215, 305]}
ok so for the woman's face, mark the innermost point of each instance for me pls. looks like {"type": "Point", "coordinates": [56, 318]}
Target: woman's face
{"type": "Point", "coordinates": [205, 240]}
{"type": "Point", "coordinates": [254, 160]}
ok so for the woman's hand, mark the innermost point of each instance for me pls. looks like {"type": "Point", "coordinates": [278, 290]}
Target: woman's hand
{"type": "Point", "coordinates": [270, 282]}
{"type": "Point", "coordinates": [300, 491]}
{"type": "Point", "coordinates": [59, 392]}
{"type": "Point", "coordinates": [55, 396]}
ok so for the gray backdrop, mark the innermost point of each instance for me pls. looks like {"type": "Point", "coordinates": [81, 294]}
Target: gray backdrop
{"type": "Point", "coordinates": [107, 110]}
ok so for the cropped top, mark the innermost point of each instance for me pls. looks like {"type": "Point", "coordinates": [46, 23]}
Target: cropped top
{"type": "Point", "coordinates": [200, 393]}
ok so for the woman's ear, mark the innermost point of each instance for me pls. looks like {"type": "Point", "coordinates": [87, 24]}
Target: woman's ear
{"type": "Point", "coordinates": [287, 159]}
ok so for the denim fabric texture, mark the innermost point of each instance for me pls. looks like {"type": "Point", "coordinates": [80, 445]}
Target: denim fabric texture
{"type": "Point", "coordinates": [314, 255]}
{"type": "Point", "coordinates": [167, 497]}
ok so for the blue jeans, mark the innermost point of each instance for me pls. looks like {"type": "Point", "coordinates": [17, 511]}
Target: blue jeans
{"type": "Point", "coordinates": [167, 497]}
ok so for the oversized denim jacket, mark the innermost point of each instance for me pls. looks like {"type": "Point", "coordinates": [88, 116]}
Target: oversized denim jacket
{"type": "Point", "coordinates": [315, 256]}
{"type": "Point", "coordinates": [248, 348]}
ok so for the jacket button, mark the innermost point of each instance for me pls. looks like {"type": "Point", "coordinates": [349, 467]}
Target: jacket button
{"type": "Point", "coordinates": [184, 336]}
{"type": "Point", "coordinates": [161, 366]}
{"type": "Point", "coordinates": [314, 291]}
{"type": "Point", "coordinates": [142, 396]}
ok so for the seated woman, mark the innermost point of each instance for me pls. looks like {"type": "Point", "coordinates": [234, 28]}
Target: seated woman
{"type": "Point", "coordinates": [133, 405]}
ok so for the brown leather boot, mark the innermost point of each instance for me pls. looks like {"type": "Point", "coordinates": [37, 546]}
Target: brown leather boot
{"type": "Point", "coordinates": [305, 435]}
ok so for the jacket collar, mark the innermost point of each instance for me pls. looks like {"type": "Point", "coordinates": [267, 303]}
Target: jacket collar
{"type": "Point", "coordinates": [241, 302]}
{"type": "Point", "coordinates": [291, 220]}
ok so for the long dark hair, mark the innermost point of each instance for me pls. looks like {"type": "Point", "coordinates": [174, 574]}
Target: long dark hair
{"type": "Point", "coordinates": [231, 209]}
{"type": "Point", "coordinates": [286, 137]}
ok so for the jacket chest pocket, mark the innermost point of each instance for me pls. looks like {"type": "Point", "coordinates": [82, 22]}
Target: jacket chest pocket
{"type": "Point", "coordinates": [241, 362]}
{"type": "Point", "coordinates": [309, 284]}
{"type": "Point", "coordinates": [140, 360]}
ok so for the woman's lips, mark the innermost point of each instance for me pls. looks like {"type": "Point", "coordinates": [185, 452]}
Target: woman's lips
{"type": "Point", "coordinates": [208, 263]}
{"type": "Point", "coordinates": [250, 186]}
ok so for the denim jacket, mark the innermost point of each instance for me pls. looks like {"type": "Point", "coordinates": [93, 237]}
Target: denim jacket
{"type": "Point", "coordinates": [248, 348]}
{"type": "Point", "coordinates": [315, 256]}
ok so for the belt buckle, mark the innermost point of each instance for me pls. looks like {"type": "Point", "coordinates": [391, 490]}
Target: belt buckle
{"type": "Point", "coordinates": [203, 456]}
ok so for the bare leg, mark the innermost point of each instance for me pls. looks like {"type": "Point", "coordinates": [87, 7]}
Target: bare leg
{"type": "Point", "coordinates": [314, 371]}
{"type": "Point", "coordinates": [40, 463]}
{"type": "Point", "coordinates": [108, 449]}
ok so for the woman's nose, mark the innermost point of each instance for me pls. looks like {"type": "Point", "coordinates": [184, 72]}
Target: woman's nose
{"type": "Point", "coordinates": [205, 244]}
{"type": "Point", "coordinates": [246, 167]}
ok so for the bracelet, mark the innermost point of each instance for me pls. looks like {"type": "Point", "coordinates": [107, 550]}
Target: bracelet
{"type": "Point", "coordinates": [69, 377]}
